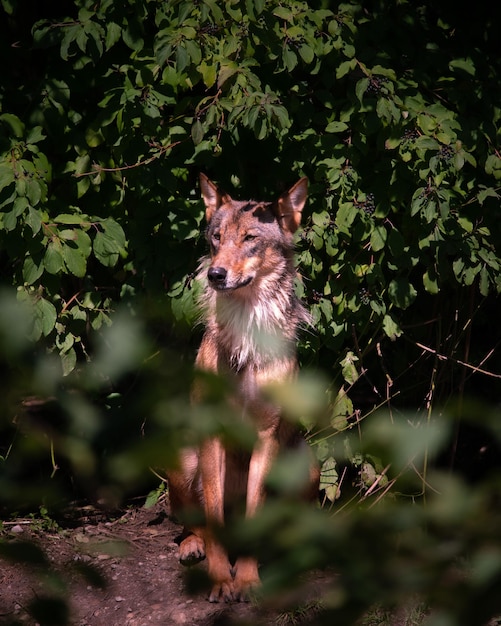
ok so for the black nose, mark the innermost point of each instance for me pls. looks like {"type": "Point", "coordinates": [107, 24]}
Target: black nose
{"type": "Point", "coordinates": [217, 274]}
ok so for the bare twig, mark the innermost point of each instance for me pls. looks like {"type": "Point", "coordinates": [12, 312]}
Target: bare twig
{"type": "Point", "coordinates": [98, 168]}
{"type": "Point", "coordinates": [443, 357]}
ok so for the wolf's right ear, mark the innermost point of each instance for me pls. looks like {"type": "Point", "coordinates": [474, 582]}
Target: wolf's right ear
{"type": "Point", "coordinates": [291, 203]}
{"type": "Point", "coordinates": [213, 198]}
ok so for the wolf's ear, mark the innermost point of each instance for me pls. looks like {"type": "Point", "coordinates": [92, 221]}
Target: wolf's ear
{"type": "Point", "coordinates": [213, 198]}
{"type": "Point", "coordinates": [291, 203]}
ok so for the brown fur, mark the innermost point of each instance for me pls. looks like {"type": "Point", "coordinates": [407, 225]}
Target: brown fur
{"type": "Point", "coordinates": [252, 317]}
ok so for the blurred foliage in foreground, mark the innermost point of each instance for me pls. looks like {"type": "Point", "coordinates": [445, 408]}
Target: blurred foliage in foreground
{"type": "Point", "coordinates": [401, 530]}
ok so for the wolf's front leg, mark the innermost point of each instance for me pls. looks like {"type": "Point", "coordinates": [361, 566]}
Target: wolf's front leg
{"type": "Point", "coordinates": [185, 496]}
{"type": "Point", "coordinates": [213, 471]}
{"type": "Point", "coordinates": [246, 576]}
{"type": "Point", "coordinates": [219, 570]}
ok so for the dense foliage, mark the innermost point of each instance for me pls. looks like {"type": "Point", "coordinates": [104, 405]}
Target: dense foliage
{"type": "Point", "coordinates": [108, 112]}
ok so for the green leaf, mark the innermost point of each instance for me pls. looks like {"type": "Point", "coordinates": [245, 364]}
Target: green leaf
{"type": "Point", "coordinates": [35, 135]}
{"type": "Point", "coordinates": [45, 316]}
{"type": "Point", "coordinates": [427, 123]}
{"type": "Point", "coordinates": [113, 34]}
{"type": "Point", "coordinates": [84, 243]}
{"type": "Point", "coordinates": [20, 205]}
{"type": "Point", "coordinates": [70, 34]}
{"type": "Point", "coordinates": [132, 37]}
{"type": "Point", "coordinates": [16, 125]}
{"type": "Point", "coordinates": [208, 72]}
{"type": "Point", "coordinates": [153, 497]}
{"type": "Point", "coordinates": [349, 369]}
{"type": "Point", "coordinates": [326, 308]}
{"type": "Point", "coordinates": [349, 50]}
{"type": "Point", "coordinates": [345, 216]}
{"type": "Point", "coordinates": [259, 6]}
{"type": "Point", "coordinates": [6, 176]}
{"type": "Point", "coordinates": [486, 192]}
{"type": "Point", "coordinates": [336, 127]}
{"type": "Point", "coordinates": [361, 88]}
{"type": "Point", "coordinates": [419, 201]}
{"type": "Point", "coordinates": [466, 65]}
{"type": "Point", "coordinates": [430, 212]}
{"type": "Point", "coordinates": [401, 292]}
{"type": "Point", "coordinates": [227, 69]}
{"type": "Point", "coordinates": [484, 282]}
{"type": "Point", "coordinates": [215, 10]}
{"type": "Point", "coordinates": [283, 13]}
{"type": "Point", "coordinates": [342, 409]}
{"type": "Point", "coordinates": [493, 165]}
{"type": "Point", "coordinates": [68, 218]}
{"type": "Point", "coordinates": [194, 52]}
{"type": "Point", "coordinates": [321, 219]}
{"type": "Point", "coordinates": [113, 230]}
{"type": "Point", "coordinates": [68, 361]}
{"type": "Point", "coordinates": [281, 116]}
{"type": "Point", "coordinates": [33, 191]}
{"type": "Point", "coordinates": [378, 238]}
{"type": "Point", "coordinates": [10, 221]}
{"type": "Point", "coordinates": [392, 142]}
{"type": "Point", "coordinates": [53, 258]}
{"type": "Point", "coordinates": [391, 328]}
{"type": "Point", "coordinates": [9, 6]}
{"type": "Point", "coordinates": [82, 38]}
{"type": "Point", "coordinates": [94, 136]}
{"type": "Point", "coordinates": [458, 160]}
{"type": "Point", "coordinates": [289, 58]}
{"type": "Point", "coordinates": [106, 249]}
{"type": "Point", "coordinates": [182, 58]}
{"type": "Point", "coordinates": [83, 186]}
{"type": "Point", "coordinates": [306, 53]}
{"type": "Point", "coordinates": [470, 273]}
{"type": "Point", "coordinates": [33, 220]}
{"type": "Point", "coordinates": [96, 37]}
{"type": "Point", "coordinates": [329, 479]}
{"type": "Point", "coordinates": [31, 270]}
{"type": "Point", "coordinates": [197, 132]}
{"type": "Point", "coordinates": [74, 260]}
{"type": "Point", "coordinates": [345, 67]}
{"type": "Point", "coordinates": [430, 282]}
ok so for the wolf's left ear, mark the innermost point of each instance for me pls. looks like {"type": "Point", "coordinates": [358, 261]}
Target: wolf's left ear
{"type": "Point", "coordinates": [213, 197]}
{"type": "Point", "coordinates": [291, 203]}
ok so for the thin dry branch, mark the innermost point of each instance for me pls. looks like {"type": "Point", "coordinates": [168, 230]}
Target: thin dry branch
{"type": "Point", "coordinates": [443, 357]}
{"type": "Point", "coordinates": [98, 168]}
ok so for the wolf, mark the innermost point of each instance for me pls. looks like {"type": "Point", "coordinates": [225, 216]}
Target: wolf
{"type": "Point", "coordinates": [252, 317]}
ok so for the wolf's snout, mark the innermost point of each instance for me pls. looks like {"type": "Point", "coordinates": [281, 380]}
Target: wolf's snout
{"type": "Point", "coordinates": [217, 275]}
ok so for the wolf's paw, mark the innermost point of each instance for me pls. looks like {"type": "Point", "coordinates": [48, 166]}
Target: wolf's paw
{"type": "Point", "coordinates": [222, 591]}
{"type": "Point", "coordinates": [246, 582]}
{"type": "Point", "coordinates": [245, 590]}
{"type": "Point", "coordinates": [191, 550]}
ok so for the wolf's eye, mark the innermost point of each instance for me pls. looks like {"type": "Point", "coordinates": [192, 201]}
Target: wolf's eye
{"type": "Point", "coordinates": [216, 236]}
{"type": "Point", "coordinates": [249, 237]}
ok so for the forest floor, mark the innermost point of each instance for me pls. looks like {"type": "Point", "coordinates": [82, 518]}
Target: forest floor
{"type": "Point", "coordinates": [122, 571]}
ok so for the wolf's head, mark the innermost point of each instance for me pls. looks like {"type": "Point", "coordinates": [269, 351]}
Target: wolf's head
{"type": "Point", "coordinates": [250, 242]}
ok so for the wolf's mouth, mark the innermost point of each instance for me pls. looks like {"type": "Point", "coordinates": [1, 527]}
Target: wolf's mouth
{"type": "Point", "coordinates": [224, 286]}
{"type": "Point", "coordinates": [219, 280]}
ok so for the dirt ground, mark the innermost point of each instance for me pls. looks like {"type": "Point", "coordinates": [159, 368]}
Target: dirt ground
{"type": "Point", "coordinates": [135, 554]}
